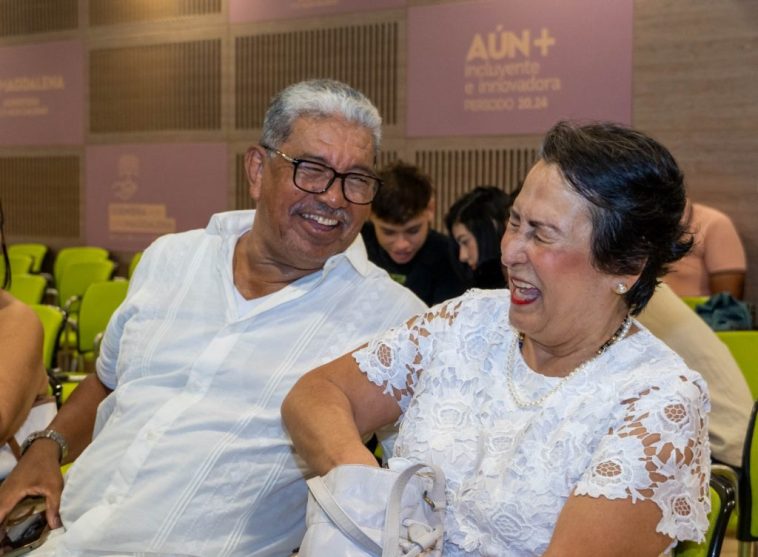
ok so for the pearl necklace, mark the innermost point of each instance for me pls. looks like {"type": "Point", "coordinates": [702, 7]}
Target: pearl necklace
{"type": "Point", "coordinates": [518, 341]}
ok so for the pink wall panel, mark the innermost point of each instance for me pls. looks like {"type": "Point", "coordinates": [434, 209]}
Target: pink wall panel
{"type": "Point", "coordinates": [516, 67]}
{"type": "Point", "coordinates": [135, 193]}
{"type": "Point", "coordinates": [42, 94]}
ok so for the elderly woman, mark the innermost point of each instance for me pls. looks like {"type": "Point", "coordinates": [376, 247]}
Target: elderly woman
{"type": "Point", "coordinates": [563, 426]}
{"type": "Point", "coordinates": [24, 405]}
{"type": "Point", "coordinates": [477, 221]}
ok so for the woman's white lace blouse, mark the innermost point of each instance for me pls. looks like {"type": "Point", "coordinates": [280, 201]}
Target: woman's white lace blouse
{"type": "Point", "coordinates": [632, 425]}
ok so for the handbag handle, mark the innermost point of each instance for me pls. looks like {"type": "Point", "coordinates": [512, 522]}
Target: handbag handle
{"type": "Point", "coordinates": [339, 517]}
{"type": "Point", "coordinates": [392, 519]}
{"type": "Point", "coordinates": [391, 536]}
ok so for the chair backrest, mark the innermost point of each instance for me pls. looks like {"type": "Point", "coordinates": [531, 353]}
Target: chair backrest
{"type": "Point", "coordinates": [77, 278]}
{"type": "Point", "coordinates": [98, 304]}
{"type": "Point", "coordinates": [53, 319]}
{"type": "Point", "coordinates": [19, 265]}
{"type": "Point", "coordinates": [36, 251]}
{"type": "Point", "coordinates": [744, 347]}
{"type": "Point", "coordinates": [30, 289]}
{"type": "Point", "coordinates": [66, 256]}
{"type": "Point", "coordinates": [723, 500]}
{"type": "Point", "coordinates": [747, 523]}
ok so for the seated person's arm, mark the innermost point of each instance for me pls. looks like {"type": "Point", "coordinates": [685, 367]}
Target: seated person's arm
{"type": "Point", "coordinates": [22, 376]}
{"type": "Point", "coordinates": [647, 482]}
{"type": "Point", "coordinates": [607, 528]}
{"type": "Point", "coordinates": [724, 257]}
{"type": "Point", "coordinates": [728, 281]}
{"type": "Point", "coordinates": [38, 471]}
{"type": "Point", "coordinates": [329, 410]}
{"type": "Point", "coordinates": [76, 419]}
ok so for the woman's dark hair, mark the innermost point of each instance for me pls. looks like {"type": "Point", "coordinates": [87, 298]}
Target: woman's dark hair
{"type": "Point", "coordinates": [483, 211]}
{"type": "Point", "coordinates": [636, 196]}
{"type": "Point", "coordinates": [6, 262]}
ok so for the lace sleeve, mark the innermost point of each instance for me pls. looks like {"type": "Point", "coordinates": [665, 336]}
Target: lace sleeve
{"type": "Point", "coordinates": [659, 452]}
{"type": "Point", "coordinates": [396, 359]}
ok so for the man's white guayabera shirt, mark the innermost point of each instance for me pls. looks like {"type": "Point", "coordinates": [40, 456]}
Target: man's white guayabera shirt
{"type": "Point", "coordinates": [189, 455]}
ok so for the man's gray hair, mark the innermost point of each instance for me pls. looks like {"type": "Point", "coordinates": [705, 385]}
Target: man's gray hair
{"type": "Point", "coordinates": [321, 98]}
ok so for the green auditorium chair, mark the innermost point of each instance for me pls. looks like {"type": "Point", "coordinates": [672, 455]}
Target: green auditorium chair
{"type": "Point", "coordinates": [36, 251]}
{"type": "Point", "coordinates": [29, 289]}
{"type": "Point", "coordinates": [722, 504]}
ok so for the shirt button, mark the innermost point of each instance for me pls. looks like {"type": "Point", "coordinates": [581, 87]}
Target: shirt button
{"type": "Point", "coordinates": [152, 435]}
{"type": "Point", "coordinates": [112, 499]}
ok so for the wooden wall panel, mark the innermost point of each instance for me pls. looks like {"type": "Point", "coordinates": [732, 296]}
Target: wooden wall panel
{"type": "Point", "coordinates": [23, 17]}
{"type": "Point", "coordinates": [242, 199]}
{"type": "Point", "coordinates": [364, 56]}
{"type": "Point", "coordinates": [40, 195]}
{"type": "Point", "coordinates": [695, 83]}
{"type": "Point", "coordinates": [386, 157]}
{"type": "Point", "coordinates": [456, 172]}
{"type": "Point", "coordinates": [174, 86]}
{"type": "Point", "coordinates": [109, 12]}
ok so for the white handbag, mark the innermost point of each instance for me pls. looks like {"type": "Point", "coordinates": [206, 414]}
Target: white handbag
{"type": "Point", "coordinates": [361, 511]}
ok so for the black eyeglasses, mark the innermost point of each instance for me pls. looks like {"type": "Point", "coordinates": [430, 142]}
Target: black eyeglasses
{"type": "Point", "coordinates": [314, 177]}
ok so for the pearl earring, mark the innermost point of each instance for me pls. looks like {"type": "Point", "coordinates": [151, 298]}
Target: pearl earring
{"type": "Point", "coordinates": [620, 289]}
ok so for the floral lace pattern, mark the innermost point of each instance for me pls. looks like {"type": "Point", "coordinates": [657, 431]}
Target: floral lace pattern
{"type": "Point", "coordinates": [634, 426]}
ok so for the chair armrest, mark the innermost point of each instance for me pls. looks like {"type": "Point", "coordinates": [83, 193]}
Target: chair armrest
{"type": "Point", "coordinates": [68, 304]}
{"type": "Point", "coordinates": [56, 387]}
{"type": "Point", "coordinates": [729, 474]}
{"type": "Point", "coordinates": [51, 296]}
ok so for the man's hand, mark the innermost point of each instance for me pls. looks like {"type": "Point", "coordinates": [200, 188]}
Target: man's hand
{"type": "Point", "coordinates": [37, 473]}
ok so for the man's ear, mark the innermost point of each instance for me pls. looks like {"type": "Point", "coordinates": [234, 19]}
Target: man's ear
{"type": "Point", "coordinates": [431, 208]}
{"type": "Point", "coordinates": [255, 158]}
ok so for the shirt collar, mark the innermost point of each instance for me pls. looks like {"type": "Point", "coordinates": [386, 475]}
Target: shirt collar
{"type": "Point", "coordinates": [236, 222]}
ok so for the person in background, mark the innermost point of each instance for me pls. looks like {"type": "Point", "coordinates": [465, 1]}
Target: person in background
{"type": "Point", "coordinates": [672, 321]}
{"type": "Point", "coordinates": [563, 426]}
{"type": "Point", "coordinates": [178, 438]}
{"type": "Point", "coordinates": [717, 262]}
{"type": "Point", "coordinates": [400, 240]}
{"type": "Point", "coordinates": [476, 221]}
{"type": "Point", "coordinates": [24, 401]}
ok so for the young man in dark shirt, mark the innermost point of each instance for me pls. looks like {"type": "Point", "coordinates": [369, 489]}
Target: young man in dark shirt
{"type": "Point", "coordinates": [399, 237]}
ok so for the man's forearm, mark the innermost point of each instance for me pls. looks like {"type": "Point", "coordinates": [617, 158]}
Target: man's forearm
{"type": "Point", "coordinates": [75, 420]}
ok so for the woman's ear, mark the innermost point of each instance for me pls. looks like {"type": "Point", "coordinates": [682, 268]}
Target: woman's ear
{"type": "Point", "coordinates": [621, 284]}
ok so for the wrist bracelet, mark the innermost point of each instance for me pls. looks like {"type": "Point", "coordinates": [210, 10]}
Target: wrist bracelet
{"type": "Point", "coordinates": [47, 434]}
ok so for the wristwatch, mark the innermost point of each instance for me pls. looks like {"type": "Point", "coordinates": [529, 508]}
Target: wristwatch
{"type": "Point", "coordinates": [47, 434]}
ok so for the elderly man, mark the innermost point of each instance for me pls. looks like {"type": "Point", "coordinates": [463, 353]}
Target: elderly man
{"type": "Point", "coordinates": [180, 445]}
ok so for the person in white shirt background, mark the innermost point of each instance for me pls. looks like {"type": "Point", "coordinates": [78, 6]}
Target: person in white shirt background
{"type": "Point", "coordinates": [178, 439]}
